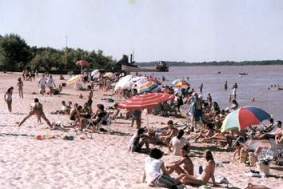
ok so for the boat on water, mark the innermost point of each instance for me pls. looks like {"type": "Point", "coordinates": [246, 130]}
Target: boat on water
{"type": "Point", "coordinates": [160, 67]}
{"type": "Point", "coordinates": [243, 73]}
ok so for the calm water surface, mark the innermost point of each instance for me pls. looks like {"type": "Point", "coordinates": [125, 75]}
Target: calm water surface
{"type": "Point", "coordinates": [255, 84]}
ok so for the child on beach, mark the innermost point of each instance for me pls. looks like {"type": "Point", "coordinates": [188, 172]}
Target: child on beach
{"type": "Point", "coordinates": [20, 85]}
{"type": "Point", "coordinates": [8, 98]}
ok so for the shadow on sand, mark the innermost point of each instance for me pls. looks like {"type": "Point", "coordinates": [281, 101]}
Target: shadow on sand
{"type": "Point", "coordinates": [13, 134]}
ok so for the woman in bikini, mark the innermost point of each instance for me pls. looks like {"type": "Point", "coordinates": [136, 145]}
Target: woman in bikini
{"type": "Point", "coordinates": [184, 165]}
{"type": "Point", "coordinates": [20, 85]}
{"type": "Point", "coordinates": [206, 175]}
{"type": "Point", "coordinates": [8, 98]}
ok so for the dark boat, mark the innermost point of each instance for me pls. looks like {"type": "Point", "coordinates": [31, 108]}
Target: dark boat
{"type": "Point", "coordinates": [162, 67]}
{"type": "Point", "coordinates": [243, 73]}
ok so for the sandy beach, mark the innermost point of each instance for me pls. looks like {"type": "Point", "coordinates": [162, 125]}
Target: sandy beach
{"type": "Point", "coordinates": [102, 161]}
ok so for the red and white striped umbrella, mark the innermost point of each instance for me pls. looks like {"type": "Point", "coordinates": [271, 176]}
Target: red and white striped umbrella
{"type": "Point", "coordinates": [145, 101]}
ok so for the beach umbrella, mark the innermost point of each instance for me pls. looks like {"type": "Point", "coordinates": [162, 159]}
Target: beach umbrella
{"type": "Point", "coordinates": [109, 75]}
{"type": "Point", "coordinates": [243, 118]}
{"type": "Point", "coordinates": [82, 63]}
{"type": "Point", "coordinates": [148, 86]}
{"type": "Point", "coordinates": [124, 83]}
{"type": "Point", "coordinates": [145, 101]}
{"type": "Point", "coordinates": [182, 85]}
{"type": "Point", "coordinates": [176, 81]}
{"type": "Point", "coordinates": [139, 80]}
{"type": "Point", "coordinates": [74, 79]}
{"type": "Point", "coordinates": [95, 73]}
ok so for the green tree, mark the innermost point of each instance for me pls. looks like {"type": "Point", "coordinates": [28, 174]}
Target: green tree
{"type": "Point", "coordinates": [14, 53]}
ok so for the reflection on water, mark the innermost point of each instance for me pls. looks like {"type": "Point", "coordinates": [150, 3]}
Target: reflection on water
{"type": "Point", "coordinates": [254, 85]}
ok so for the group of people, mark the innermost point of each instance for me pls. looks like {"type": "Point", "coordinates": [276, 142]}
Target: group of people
{"type": "Point", "coordinates": [47, 82]}
{"type": "Point", "coordinates": [158, 173]}
{"type": "Point", "coordinates": [204, 116]}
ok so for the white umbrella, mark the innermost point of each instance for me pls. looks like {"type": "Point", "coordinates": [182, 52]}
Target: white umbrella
{"type": "Point", "coordinates": [95, 74]}
{"type": "Point", "coordinates": [124, 83]}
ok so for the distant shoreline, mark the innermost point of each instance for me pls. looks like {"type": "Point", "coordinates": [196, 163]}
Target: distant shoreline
{"type": "Point", "coordinates": [223, 63]}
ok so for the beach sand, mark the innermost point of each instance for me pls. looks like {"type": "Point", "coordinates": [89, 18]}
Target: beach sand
{"type": "Point", "coordinates": [100, 162]}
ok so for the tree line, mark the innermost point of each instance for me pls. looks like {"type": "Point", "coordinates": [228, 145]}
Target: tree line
{"type": "Point", "coordinates": [17, 55]}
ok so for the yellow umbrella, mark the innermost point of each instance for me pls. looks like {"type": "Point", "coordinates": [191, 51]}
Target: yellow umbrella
{"type": "Point", "coordinates": [73, 80]}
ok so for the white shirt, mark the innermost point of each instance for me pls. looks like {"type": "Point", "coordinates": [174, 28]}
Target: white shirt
{"type": "Point", "coordinates": [152, 169]}
{"type": "Point", "coordinates": [131, 143]}
{"type": "Point", "coordinates": [42, 82]}
{"type": "Point", "coordinates": [177, 145]}
{"type": "Point", "coordinates": [50, 82]}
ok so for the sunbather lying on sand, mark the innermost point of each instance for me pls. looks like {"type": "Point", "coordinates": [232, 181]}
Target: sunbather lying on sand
{"type": "Point", "coordinates": [36, 109]}
{"type": "Point", "coordinates": [205, 134]}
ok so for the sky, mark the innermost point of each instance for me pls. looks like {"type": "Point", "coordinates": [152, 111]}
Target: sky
{"type": "Point", "coordinates": [170, 30]}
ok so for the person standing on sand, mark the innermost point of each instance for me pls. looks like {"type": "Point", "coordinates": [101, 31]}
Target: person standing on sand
{"type": "Point", "coordinates": [8, 98]}
{"type": "Point", "coordinates": [50, 84]}
{"type": "Point", "coordinates": [36, 109]}
{"type": "Point", "coordinates": [42, 84]}
{"type": "Point", "coordinates": [20, 85]}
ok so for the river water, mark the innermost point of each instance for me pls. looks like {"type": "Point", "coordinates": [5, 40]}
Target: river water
{"type": "Point", "coordinates": [254, 85]}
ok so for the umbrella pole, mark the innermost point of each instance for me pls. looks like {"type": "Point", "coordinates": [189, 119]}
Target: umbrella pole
{"type": "Point", "coordinates": [147, 124]}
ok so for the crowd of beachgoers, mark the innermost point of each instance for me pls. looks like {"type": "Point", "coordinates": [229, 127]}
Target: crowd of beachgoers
{"type": "Point", "coordinates": [202, 123]}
